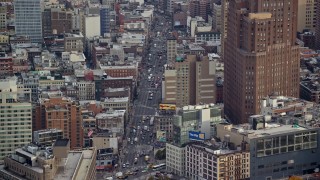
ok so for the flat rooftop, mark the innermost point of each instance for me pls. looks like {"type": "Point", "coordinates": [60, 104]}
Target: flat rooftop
{"type": "Point", "coordinates": [275, 129]}
{"type": "Point", "coordinates": [116, 113]}
{"type": "Point", "coordinates": [85, 164]}
{"type": "Point", "coordinates": [61, 142]}
{"type": "Point", "coordinates": [67, 171]}
{"type": "Point", "coordinates": [115, 100]}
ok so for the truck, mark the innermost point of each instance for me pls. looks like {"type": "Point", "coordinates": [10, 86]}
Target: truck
{"type": "Point", "coordinates": [151, 121]}
{"type": "Point", "coordinates": [119, 175]}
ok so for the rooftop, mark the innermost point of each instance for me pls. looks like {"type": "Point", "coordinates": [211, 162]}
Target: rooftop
{"type": "Point", "coordinates": [115, 113]}
{"type": "Point", "coordinates": [120, 99]}
{"type": "Point", "coordinates": [61, 142]}
{"type": "Point", "coordinates": [70, 164]}
{"type": "Point", "coordinates": [85, 164]}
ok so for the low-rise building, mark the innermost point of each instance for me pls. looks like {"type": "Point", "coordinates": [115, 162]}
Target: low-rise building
{"type": "Point", "coordinates": [164, 123]}
{"type": "Point", "coordinates": [101, 141]}
{"type": "Point", "coordinates": [73, 42]}
{"type": "Point", "coordinates": [282, 141]}
{"type": "Point", "coordinates": [175, 159]}
{"type": "Point", "coordinates": [57, 162]}
{"type": "Point", "coordinates": [47, 137]}
{"type": "Point", "coordinates": [86, 90]}
{"type": "Point", "coordinates": [205, 161]}
{"type": "Point", "coordinates": [111, 121]}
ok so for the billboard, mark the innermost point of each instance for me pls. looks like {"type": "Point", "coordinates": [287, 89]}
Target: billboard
{"type": "Point", "coordinates": [193, 135]}
{"type": "Point", "coordinates": [161, 136]}
{"type": "Point", "coordinates": [167, 107]}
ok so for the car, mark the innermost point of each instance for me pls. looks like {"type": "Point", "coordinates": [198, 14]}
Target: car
{"type": "Point", "coordinates": [143, 171]}
{"type": "Point", "coordinates": [124, 165]}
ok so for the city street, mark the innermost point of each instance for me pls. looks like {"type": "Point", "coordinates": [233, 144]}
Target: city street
{"type": "Point", "coordinates": [140, 136]}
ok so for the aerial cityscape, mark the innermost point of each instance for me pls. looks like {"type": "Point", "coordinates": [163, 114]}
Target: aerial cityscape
{"type": "Point", "coordinates": [160, 89]}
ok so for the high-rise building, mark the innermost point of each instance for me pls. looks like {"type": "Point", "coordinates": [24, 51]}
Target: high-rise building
{"type": "Point", "coordinates": [56, 21]}
{"type": "Point", "coordinates": [199, 8]}
{"type": "Point", "coordinates": [105, 20]}
{"type": "Point", "coordinates": [216, 16]}
{"type": "Point", "coordinates": [28, 19]}
{"type": "Point", "coordinates": [61, 113]}
{"type": "Point", "coordinates": [261, 56]}
{"type": "Point", "coordinates": [307, 15]}
{"type": "Point", "coordinates": [318, 25]}
{"type": "Point", "coordinates": [15, 116]}
{"type": "Point", "coordinates": [3, 17]}
{"type": "Point", "coordinates": [171, 50]}
{"type": "Point", "coordinates": [224, 18]}
{"type": "Point", "coordinates": [191, 81]}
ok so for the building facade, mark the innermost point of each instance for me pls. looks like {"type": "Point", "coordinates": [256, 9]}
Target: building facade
{"type": "Point", "coordinates": [175, 159]}
{"type": "Point", "coordinates": [307, 15]}
{"type": "Point", "coordinates": [73, 42]}
{"type": "Point", "coordinates": [207, 162]}
{"type": "Point", "coordinates": [216, 17]}
{"type": "Point", "coordinates": [36, 162]}
{"type": "Point", "coordinates": [282, 139]}
{"type": "Point", "coordinates": [190, 82]}
{"type": "Point", "coordinates": [61, 113]}
{"type": "Point", "coordinates": [105, 20]}
{"type": "Point", "coordinates": [318, 25]}
{"type": "Point", "coordinates": [171, 50]}
{"type": "Point", "coordinates": [262, 59]}
{"type": "Point", "coordinates": [28, 19]}
{"type": "Point", "coordinates": [15, 116]}
{"type": "Point", "coordinates": [199, 8]}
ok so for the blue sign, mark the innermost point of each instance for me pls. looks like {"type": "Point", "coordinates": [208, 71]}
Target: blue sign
{"type": "Point", "coordinates": [196, 136]}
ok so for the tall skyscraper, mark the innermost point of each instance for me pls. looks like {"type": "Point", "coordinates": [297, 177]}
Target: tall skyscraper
{"type": "Point", "coordinates": [261, 57]}
{"type": "Point", "coordinates": [28, 19]}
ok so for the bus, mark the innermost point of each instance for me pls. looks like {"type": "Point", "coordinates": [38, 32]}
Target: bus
{"type": "Point", "coordinates": [159, 167]}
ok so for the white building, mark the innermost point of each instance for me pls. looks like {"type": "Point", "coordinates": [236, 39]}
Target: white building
{"type": "Point", "coordinates": [111, 121]}
{"type": "Point", "coordinates": [129, 38]}
{"type": "Point", "coordinates": [15, 116]}
{"type": "Point", "coordinates": [91, 25]}
{"type": "Point", "coordinates": [121, 103]}
{"type": "Point", "coordinates": [175, 159]}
